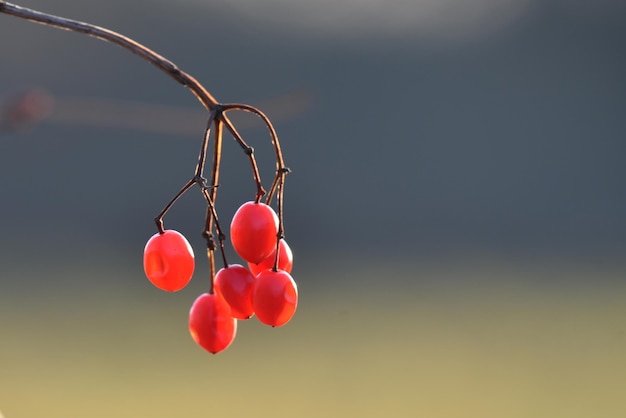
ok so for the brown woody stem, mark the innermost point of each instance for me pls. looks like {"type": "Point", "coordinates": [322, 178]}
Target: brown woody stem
{"type": "Point", "coordinates": [217, 118]}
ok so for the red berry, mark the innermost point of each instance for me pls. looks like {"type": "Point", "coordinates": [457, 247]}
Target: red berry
{"type": "Point", "coordinates": [211, 324]}
{"type": "Point", "coordinates": [285, 260]}
{"type": "Point", "coordinates": [275, 297]}
{"type": "Point", "coordinates": [168, 260]}
{"type": "Point", "coordinates": [253, 231]}
{"type": "Point", "coordinates": [235, 283]}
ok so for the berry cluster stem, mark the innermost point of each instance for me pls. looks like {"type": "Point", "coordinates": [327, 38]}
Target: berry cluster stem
{"type": "Point", "coordinates": [217, 118]}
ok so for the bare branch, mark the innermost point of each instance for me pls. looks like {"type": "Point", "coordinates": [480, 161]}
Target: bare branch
{"type": "Point", "coordinates": [136, 48]}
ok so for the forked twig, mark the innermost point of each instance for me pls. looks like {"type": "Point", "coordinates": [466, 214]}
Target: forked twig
{"type": "Point", "coordinates": [217, 118]}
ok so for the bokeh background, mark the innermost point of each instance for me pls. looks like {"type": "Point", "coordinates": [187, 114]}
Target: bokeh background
{"type": "Point", "coordinates": [456, 209]}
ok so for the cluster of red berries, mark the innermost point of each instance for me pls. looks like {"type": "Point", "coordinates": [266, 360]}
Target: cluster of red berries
{"type": "Point", "coordinates": [264, 288]}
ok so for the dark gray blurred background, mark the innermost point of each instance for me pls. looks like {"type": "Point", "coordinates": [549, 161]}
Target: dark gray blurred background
{"type": "Point", "coordinates": [432, 129]}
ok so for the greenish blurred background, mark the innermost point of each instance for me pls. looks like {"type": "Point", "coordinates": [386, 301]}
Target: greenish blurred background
{"type": "Point", "coordinates": [456, 209]}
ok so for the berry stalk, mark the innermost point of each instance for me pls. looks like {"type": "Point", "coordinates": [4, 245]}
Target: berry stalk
{"type": "Point", "coordinates": [256, 231]}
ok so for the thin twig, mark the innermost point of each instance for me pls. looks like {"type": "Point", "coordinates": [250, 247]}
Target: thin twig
{"type": "Point", "coordinates": [162, 63]}
{"type": "Point", "coordinates": [211, 214]}
{"type": "Point", "coordinates": [281, 169]}
{"type": "Point", "coordinates": [136, 48]}
{"type": "Point", "coordinates": [217, 117]}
